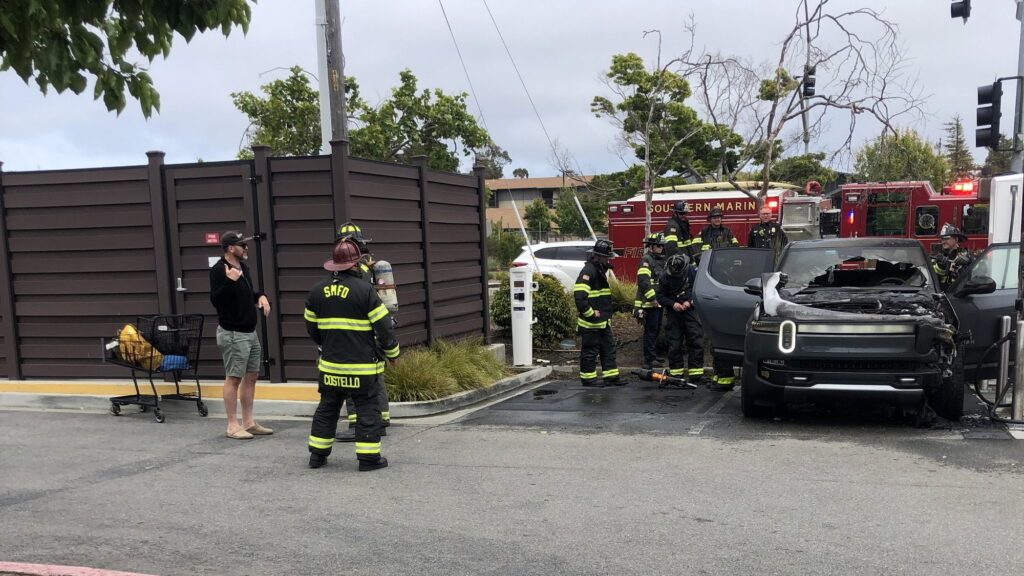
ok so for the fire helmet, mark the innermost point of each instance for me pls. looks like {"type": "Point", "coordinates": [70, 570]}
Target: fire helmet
{"type": "Point", "coordinates": [602, 248]}
{"type": "Point", "coordinates": [948, 230]}
{"type": "Point", "coordinates": [657, 239]}
{"type": "Point", "coordinates": [715, 212]}
{"type": "Point", "coordinates": [681, 207]}
{"type": "Point", "coordinates": [677, 264]}
{"type": "Point", "coordinates": [349, 231]}
{"type": "Point", "coordinates": [346, 255]}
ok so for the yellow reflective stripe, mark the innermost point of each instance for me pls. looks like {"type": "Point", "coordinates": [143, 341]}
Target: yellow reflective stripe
{"type": "Point", "coordinates": [675, 372]}
{"type": "Point", "coordinates": [705, 247]}
{"type": "Point", "coordinates": [391, 352]}
{"type": "Point", "coordinates": [735, 241]}
{"type": "Point", "coordinates": [378, 313]}
{"type": "Point", "coordinates": [385, 415]}
{"type": "Point", "coordinates": [726, 379]}
{"type": "Point", "coordinates": [649, 294]}
{"type": "Point", "coordinates": [309, 315]}
{"type": "Point", "coordinates": [671, 238]}
{"type": "Point", "coordinates": [322, 443]}
{"type": "Point", "coordinates": [599, 293]}
{"type": "Point", "coordinates": [643, 271]}
{"type": "Point", "coordinates": [610, 373]}
{"type": "Point", "coordinates": [580, 288]}
{"type": "Point", "coordinates": [584, 324]}
{"type": "Point", "coordinates": [588, 375]}
{"type": "Point", "coordinates": [637, 303]}
{"type": "Point", "coordinates": [367, 447]}
{"type": "Point", "coordinates": [696, 371]}
{"type": "Point", "coordinates": [588, 312]}
{"type": "Point", "coordinates": [350, 369]}
{"type": "Point", "coordinates": [351, 417]}
{"type": "Point", "coordinates": [697, 240]}
{"type": "Point", "coordinates": [356, 324]}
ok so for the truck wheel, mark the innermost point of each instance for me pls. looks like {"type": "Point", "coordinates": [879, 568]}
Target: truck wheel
{"type": "Point", "coordinates": [948, 400]}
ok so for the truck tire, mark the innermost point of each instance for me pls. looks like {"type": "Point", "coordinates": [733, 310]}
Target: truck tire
{"type": "Point", "coordinates": [948, 400]}
{"type": "Point", "coordinates": [748, 400]}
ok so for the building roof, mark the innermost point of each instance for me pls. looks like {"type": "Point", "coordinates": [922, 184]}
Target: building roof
{"type": "Point", "coordinates": [537, 183]}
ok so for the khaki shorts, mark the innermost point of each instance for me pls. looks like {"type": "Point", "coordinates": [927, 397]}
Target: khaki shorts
{"type": "Point", "coordinates": [241, 352]}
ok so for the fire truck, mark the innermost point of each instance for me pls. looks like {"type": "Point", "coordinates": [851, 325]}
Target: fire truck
{"type": "Point", "coordinates": [626, 217]}
{"type": "Point", "coordinates": [914, 210]}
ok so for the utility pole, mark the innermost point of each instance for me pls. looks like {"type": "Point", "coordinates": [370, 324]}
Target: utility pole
{"type": "Point", "coordinates": [331, 60]}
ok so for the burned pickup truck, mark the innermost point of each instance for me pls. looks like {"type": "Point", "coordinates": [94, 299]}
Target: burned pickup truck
{"type": "Point", "coordinates": [837, 317]}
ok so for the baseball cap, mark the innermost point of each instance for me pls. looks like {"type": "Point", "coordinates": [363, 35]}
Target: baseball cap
{"type": "Point", "coordinates": [233, 237]}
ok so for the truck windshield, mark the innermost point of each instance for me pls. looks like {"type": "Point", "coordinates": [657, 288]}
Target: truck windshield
{"type": "Point", "coordinates": [854, 267]}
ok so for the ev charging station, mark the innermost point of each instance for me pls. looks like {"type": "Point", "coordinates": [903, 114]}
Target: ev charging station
{"type": "Point", "coordinates": [522, 287]}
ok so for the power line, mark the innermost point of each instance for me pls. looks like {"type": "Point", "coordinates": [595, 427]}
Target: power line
{"type": "Point", "coordinates": [464, 69]}
{"type": "Point", "coordinates": [520, 76]}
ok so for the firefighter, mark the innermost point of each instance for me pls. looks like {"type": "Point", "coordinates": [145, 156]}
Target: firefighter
{"type": "Point", "coordinates": [678, 238]}
{"type": "Point", "coordinates": [349, 231]}
{"type": "Point", "coordinates": [594, 305]}
{"type": "Point", "coordinates": [645, 307]}
{"type": "Point", "coordinates": [675, 294]}
{"type": "Point", "coordinates": [953, 258]}
{"type": "Point", "coordinates": [347, 320]}
{"type": "Point", "coordinates": [715, 235]}
{"type": "Point", "coordinates": [767, 234]}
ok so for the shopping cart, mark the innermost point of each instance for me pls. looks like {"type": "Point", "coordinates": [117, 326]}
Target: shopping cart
{"type": "Point", "coordinates": [167, 345]}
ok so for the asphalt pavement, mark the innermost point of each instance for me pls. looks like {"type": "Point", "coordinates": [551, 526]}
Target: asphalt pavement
{"type": "Point", "coordinates": [555, 480]}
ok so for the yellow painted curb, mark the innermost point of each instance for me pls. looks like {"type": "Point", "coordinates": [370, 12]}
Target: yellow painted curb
{"type": "Point", "coordinates": [301, 392]}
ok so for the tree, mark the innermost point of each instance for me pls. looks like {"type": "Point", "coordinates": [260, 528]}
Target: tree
{"type": "Point", "coordinates": [287, 120]}
{"type": "Point", "coordinates": [958, 157]}
{"type": "Point", "coordinates": [63, 44]}
{"type": "Point", "coordinates": [800, 170]}
{"type": "Point", "coordinates": [997, 162]}
{"type": "Point", "coordinates": [568, 217]}
{"type": "Point", "coordinates": [493, 158]}
{"type": "Point", "coordinates": [538, 217]}
{"type": "Point", "coordinates": [860, 72]}
{"type": "Point", "coordinates": [904, 156]}
{"type": "Point", "coordinates": [412, 123]}
{"type": "Point", "coordinates": [520, 173]}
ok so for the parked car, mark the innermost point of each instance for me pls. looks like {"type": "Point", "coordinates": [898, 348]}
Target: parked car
{"type": "Point", "coordinates": [559, 260]}
{"type": "Point", "coordinates": [839, 317]}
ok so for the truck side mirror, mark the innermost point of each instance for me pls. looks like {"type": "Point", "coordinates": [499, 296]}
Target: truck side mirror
{"type": "Point", "coordinates": [976, 285]}
{"type": "Point", "coordinates": [753, 287]}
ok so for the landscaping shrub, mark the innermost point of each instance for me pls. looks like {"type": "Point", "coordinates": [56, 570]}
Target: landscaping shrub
{"type": "Point", "coordinates": [444, 369]}
{"type": "Point", "coordinates": [553, 308]}
{"type": "Point", "coordinates": [503, 246]}
{"type": "Point", "coordinates": [623, 294]}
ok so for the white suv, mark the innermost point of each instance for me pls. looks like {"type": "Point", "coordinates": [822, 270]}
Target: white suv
{"type": "Point", "coordinates": [559, 260]}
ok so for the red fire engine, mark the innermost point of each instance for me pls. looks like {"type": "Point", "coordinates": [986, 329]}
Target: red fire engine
{"type": "Point", "coordinates": [626, 217]}
{"type": "Point", "coordinates": [913, 210]}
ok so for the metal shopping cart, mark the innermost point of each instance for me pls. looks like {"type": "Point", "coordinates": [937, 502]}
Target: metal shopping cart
{"type": "Point", "coordinates": [167, 345]}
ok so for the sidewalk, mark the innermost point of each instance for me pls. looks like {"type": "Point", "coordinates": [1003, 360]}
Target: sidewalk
{"type": "Point", "coordinates": [272, 400]}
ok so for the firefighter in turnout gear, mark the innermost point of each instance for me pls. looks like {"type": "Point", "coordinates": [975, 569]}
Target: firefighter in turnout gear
{"type": "Point", "coordinates": [767, 234]}
{"type": "Point", "coordinates": [350, 324]}
{"type": "Point", "coordinates": [645, 307]}
{"type": "Point", "coordinates": [953, 258]}
{"type": "Point", "coordinates": [678, 239]}
{"type": "Point", "coordinates": [714, 235]}
{"type": "Point", "coordinates": [349, 231]}
{"type": "Point", "coordinates": [594, 306]}
{"type": "Point", "coordinates": [675, 294]}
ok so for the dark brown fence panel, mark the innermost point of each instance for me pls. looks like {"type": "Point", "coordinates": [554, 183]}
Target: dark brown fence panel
{"type": "Point", "coordinates": [204, 200]}
{"type": "Point", "coordinates": [304, 231]}
{"type": "Point", "coordinates": [458, 280]}
{"type": "Point", "coordinates": [82, 263]}
{"type": "Point", "coordinates": [385, 203]}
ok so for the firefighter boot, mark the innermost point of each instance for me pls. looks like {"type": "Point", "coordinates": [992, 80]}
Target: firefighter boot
{"type": "Point", "coordinates": [317, 460]}
{"type": "Point", "coordinates": [370, 465]}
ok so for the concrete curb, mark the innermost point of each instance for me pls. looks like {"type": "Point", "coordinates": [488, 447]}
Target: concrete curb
{"type": "Point", "coordinates": [269, 408]}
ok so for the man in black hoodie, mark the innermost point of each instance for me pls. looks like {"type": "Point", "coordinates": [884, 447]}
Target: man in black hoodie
{"type": "Point", "coordinates": [237, 301]}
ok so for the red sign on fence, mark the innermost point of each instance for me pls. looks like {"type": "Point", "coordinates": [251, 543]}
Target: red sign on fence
{"type": "Point", "coordinates": [212, 238]}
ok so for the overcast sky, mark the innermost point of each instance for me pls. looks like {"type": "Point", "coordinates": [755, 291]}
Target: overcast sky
{"type": "Point", "coordinates": [561, 47]}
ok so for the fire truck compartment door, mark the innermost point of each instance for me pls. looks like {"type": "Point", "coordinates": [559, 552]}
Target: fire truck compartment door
{"type": "Point", "coordinates": [722, 305]}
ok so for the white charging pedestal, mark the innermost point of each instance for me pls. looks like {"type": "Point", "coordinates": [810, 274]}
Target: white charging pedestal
{"type": "Point", "coordinates": [522, 287]}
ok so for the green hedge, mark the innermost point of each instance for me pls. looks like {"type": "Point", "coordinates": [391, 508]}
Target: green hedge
{"type": "Point", "coordinates": [553, 308]}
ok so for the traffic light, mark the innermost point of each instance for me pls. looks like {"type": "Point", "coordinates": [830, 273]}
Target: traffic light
{"type": "Point", "coordinates": [990, 97]}
{"type": "Point", "coordinates": [808, 81]}
{"type": "Point", "coordinates": [961, 9]}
